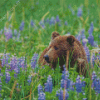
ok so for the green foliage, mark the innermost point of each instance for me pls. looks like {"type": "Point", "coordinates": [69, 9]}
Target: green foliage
{"type": "Point", "coordinates": [35, 39]}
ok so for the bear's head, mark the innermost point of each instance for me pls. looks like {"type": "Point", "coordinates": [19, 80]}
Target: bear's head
{"type": "Point", "coordinates": [58, 47]}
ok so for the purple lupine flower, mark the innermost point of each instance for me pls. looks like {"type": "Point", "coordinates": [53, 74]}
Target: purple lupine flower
{"type": "Point", "coordinates": [97, 87]}
{"type": "Point", "coordinates": [82, 34]}
{"type": "Point", "coordinates": [29, 79]}
{"type": "Point", "coordinates": [84, 41]}
{"type": "Point", "coordinates": [32, 23]}
{"type": "Point", "coordinates": [79, 12]}
{"type": "Point", "coordinates": [13, 63]}
{"type": "Point", "coordinates": [65, 83]}
{"type": "Point", "coordinates": [66, 23]}
{"type": "Point", "coordinates": [86, 51]}
{"type": "Point", "coordinates": [57, 19]}
{"type": "Point", "coordinates": [0, 86]}
{"type": "Point", "coordinates": [94, 77]}
{"type": "Point", "coordinates": [7, 33]}
{"type": "Point", "coordinates": [47, 20]}
{"type": "Point", "coordinates": [96, 82]}
{"type": "Point", "coordinates": [79, 84]}
{"type": "Point", "coordinates": [66, 95]}
{"type": "Point", "coordinates": [21, 26]}
{"type": "Point", "coordinates": [15, 32]}
{"type": "Point", "coordinates": [91, 39]}
{"type": "Point", "coordinates": [65, 73]}
{"type": "Point", "coordinates": [23, 63]}
{"type": "Point", "coordinates": [71, 85]}
{"type": "Point", "coordinates": [5, 59]}
{"type": "Point", "coordinates": [40, 89]}
{"type": "Point", "coordinates": [90, 31]}
{"type": "Point", "coordinates": [52, 21]}
{"type": "Point", "coordinates": [48, 85]}
{"type": "Point", "coordinates": [59, 24]}
{"type": "Point", "coordinates": [16, 70]}
{"type": "Point", "coordinates": [41, 96]}
{"type": "Point", "coordinates": [7, 76]}
{"type": "Point", "coordinates": [93, 59]}
{"type": "Point", "coordinates": [19, 62]}
{"type": "Point", "coordinates": [34, 60]}
{"type": "Point", "coordinates": [42, 24]}
{"type": "Point", "coordinates": [78, 37]}
{"type": "Point", "coordinates": [59, 94]}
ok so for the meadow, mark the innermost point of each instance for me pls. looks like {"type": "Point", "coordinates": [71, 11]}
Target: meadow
{"type": "Point", "coordinates": [25, 31]}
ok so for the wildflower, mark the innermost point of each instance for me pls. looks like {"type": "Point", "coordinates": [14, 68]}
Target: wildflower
{"type": "Point", "coordinates": [49, 85]}
{"type": "Point", "coordinates": [23, 63]}
{"type": "Point", "coordinates": [29, 79]}
{"type": "Point", "coordinates": [42, 24]}
{"type": "Point", "coordinates": [66, 23]}
{"type": "Point", "coordinates": [57, 19]}
{"type": "Point", "coordinates": [71, 85]}
{"type": "Point", "coordinates": [79, 84]}
{"type": "Point", "coordinates": [96, 82]}
{"type": "Point", "coordinates": [90, 31]}
{"type": "Point", "coordinates": [13, 63]}
{"type": "Point", "coordinates": [94, 77]}
{"type": "Point", "coordinates": [21, 26]}
{"type": "Point", "coordinates": [41, 96]}
{"type": "Point", "coordinates": [86, 49]}
{"type": "Point", "coordinates": [79, 12]}
{"type": "Point", "coordinates": [78, 37]}
{"type": "Point", "coordinates": [40, 89]}
{"type": "Point", "coordinates": [7, 76]}
{"type": "Point", "coordinates": [65, 83]}
{"type": "Point", "coordinates": [34, 60]}
{"type": "Point", "coordinates": [52, 21]}
{"type": "Point", "coordinates": [91, 38]}
{"type": "Point", "coordinates": [0, 86]}
{"type": "Point", "coordinates": [15, 32]}
{"type": "Point", "coordinates": [60, 92]}
{"type": "Point", "coordinates": [7, 33]}
{"type": "Point", "coordinates": [47, 20]}
{"type": "Point", "coordinates": [93, 59]}
{"type": "Point", "coordinates": [32, 23]}
{"type": "Point", "coordinates": [5, 59]}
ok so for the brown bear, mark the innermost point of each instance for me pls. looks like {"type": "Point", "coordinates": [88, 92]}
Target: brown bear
{"type": "Point", "coordinates": [64, 50]}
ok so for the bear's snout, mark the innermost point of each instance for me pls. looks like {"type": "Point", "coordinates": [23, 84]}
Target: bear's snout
{"type": "Point", "coordinates": [46, 58]}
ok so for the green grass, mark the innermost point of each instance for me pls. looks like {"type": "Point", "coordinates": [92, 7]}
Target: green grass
{"type": "Point", "coordinates": [32, 41]}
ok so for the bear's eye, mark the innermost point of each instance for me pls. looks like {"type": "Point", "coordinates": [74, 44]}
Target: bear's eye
{"type": "Point", "coordinates": [55, 48]}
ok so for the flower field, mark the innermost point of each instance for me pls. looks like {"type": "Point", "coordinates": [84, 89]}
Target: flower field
{"type": "Point", "coordinates": [25, 31]}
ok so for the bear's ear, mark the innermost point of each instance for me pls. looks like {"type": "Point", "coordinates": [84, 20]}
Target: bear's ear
{"type": "Point", "coordinates": [54, 34]}
{"type": "Point", "coordinates": [70, 39]}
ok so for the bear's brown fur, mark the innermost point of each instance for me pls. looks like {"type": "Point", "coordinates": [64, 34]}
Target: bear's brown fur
{"type": "Point", "coordinates": [69, 51]}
